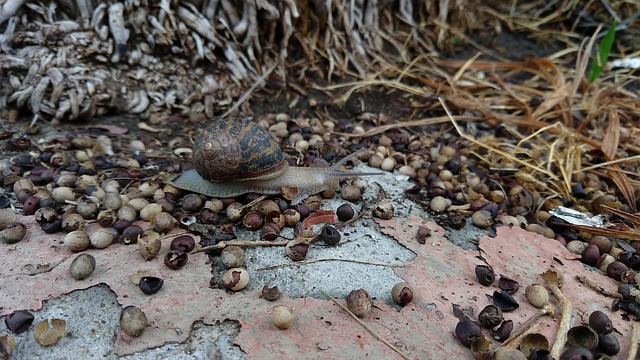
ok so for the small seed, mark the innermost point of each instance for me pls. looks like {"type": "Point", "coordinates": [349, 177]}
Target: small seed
{"type": "Point", "coordinates": [82, 266]}
{"type": "Point", "coordinates": [282, 316]}
{"type": "Point", "coordinates": [133, 321]}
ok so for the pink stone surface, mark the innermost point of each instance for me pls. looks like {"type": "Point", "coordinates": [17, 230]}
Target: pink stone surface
{"type": "Point", "coordinates": [442, 274]}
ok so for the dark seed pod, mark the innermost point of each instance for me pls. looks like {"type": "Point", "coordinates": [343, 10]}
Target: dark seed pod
{"type": "Point", "coordinates": [503, 332]}
{"type": "Point", "coordinates": [485, 274]}
{"type": "Point", "coordinates": [504, 301]}
{"type": "Point", "coordinates": [629, 306]}
{"type": "Point", "coordinates": [52, 227]}
{"type": "Point", "coordinates": [422, 235]}
{"type": "Point", "coordinates": [131, 235]}
{"type": "Point", "coordinates": [271, 293]}
{"type": "Point", "coordinates": [591, 255]}
{"type": "Point", "coordinates": [175, 259]}
{"type": "Point", "coordinates": [608, 344]}
{"type": "Point", "coordinates": [615, 270]}
{"type": "Point", "coordinates": [600, 322]}
{"type": "Point", "coordinates": [508, 285]}
{"type": "Point", "coordinates": [490, 316]}
{"type": "Point", "coordinates": [576, 353]}
{"type": "Point", "coordinates": [582, 336]}
{"type": "Point", "coordinates": [30, 205]}
{"type": "Point", "coordinates": [19, 321]}
{"type": "Point", "coordinates": [540, 355]}
{"type": "Point", "coordinates": [330, 235]}
{"type": "Point", "coordinates": [150, 284]}
{"type": "Point", "coordinates": [345, 212]}
{"type": "Point", "coordinates": [626, 291]}
{"type": "Point", "coordinates": [467, 331]}
{"type": "Point", "coordinates": [184, 243]}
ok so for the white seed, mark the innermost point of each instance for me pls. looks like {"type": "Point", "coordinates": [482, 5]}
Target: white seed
{"type": "Point", "coordinates": [77, 241]}
{"type": "Point", "coordinates": [149, 211]}
{"type": "Point", "coordinates": [388, 164]}
{"type": "Point", "coordinates": [63, 194]}
{"type": "Point", "coordinates": [282, 316]}
{"type": "Point", "coordinates": [439, 204]}
{"type": "Point", "coordinates": [101, 239]}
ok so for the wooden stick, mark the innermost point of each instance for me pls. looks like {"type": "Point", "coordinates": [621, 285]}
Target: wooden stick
{"type": "Point", "coordinates": [246, 243]}
{"type": "Point", "coordinates": [583, 279]}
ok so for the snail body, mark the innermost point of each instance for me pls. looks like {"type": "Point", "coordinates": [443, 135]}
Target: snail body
{"type": "Point", "coordinates": [237, 156]}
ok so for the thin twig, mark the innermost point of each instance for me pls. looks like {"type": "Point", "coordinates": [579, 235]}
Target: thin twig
{"type": "Point", "coordinates": [245, 243]}
{"type": "Point", "coordinates": [583, 279]}
{"type": "Point", "coordinates": [311, 261]}
{"type": "Point", "coordinates": [633, 348]}
{"type": "Point", "coordinates": [375, 334]}
{"type": "Point", "coordinates": [553, 279]}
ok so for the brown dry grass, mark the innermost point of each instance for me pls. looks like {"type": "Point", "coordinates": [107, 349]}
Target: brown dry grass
{"type": "Point", "coordinates": [561, 127]}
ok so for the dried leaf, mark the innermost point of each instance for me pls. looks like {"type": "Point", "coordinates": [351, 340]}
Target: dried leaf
{"type": "Point", "coordinates": [48, 332]}
{"type": "Point", "coordinates": [612, 136]}
{"type": "Point", "coordinates": [319, 217]}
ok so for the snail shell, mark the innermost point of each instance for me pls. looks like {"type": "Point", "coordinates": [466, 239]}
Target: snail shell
{"type": "Point", "coordinates": [236, 156]}
{"type": "Point", "coordinates": [237, 149]}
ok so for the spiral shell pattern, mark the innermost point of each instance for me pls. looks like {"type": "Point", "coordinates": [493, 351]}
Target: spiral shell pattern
{"type": "Point", "coordinates": [237, 149]}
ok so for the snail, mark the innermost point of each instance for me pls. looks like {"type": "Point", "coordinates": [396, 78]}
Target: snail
{"type": "Point", "coordinates": [235, 156]}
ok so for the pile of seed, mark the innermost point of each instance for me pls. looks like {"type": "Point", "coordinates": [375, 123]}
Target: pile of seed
{"type": "Point", "coordinates": [69, 179]}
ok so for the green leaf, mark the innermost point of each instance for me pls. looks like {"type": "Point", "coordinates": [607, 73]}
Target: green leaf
{"type": "Point", "coordinates": [603, 53]}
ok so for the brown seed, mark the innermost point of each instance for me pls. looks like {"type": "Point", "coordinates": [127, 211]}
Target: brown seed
{"type": "Point", "coordinates": [591, 255]}
{"type": "Point", "coordinates": [600, 322]}
{"type": "Point", "coordinates": [270, 232]}
{"type": "Point", "coordinates": [359, 302]}
{"type": "Point", "coordinates": [422, 235]}
{"type": "Point", "coordinates": [252, 220]}
{"type": "Point", "coordinates": [235, 212]}
{"type": "Point", "coordinates": [192, 203]}
{"type": "Point", "coordinates": [235, 279]}
{"type": "Point", "coordinates": [291, 217]}
{"type": "Point", "coordinates": [163, 222]}
{"type": "Point", "coordinates": [383, 210]}
{"type": "Point", "coordinates": [297, 249]}
{"type": "Point", "coordinates": [175, 259]}
{"type": "Point", "coordinates": [184, 243]}
{"type": "Point", "coordinates": [351, 193]}
{"type": "Point", "coordinates": [271, 293]}
{"type": "Point", "coordinates": [402, 293]}
{"type": "Point", "coordinates": [232, 256]}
